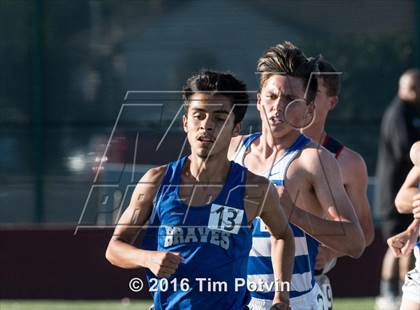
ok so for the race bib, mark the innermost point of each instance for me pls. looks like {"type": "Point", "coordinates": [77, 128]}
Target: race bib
{"type": "Point", "coordinates": [225, 218]}
{"type": "Point", "coordinates": [325, 285]}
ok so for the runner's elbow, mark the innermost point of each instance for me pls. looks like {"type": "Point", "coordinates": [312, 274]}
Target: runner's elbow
{"type": "Point", "coordinates": [109, 255]}
{"type": "Point", "coordinates": [357, 247]}
{"type": "Point", "coordinates": [357, 252]}
{"type": "Point", "coordinates": [402, 208]}
{"type": "Point", "coordinates": [370, 236]}
{"type": "Point", "coordinates": [288, 237]}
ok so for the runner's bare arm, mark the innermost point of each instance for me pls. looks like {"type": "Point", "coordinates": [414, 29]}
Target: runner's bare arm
{"type": "Point", "coordinates": [282, 241]}
{"type": "Point", "coordinates": [120, 251]}
{"type": "Point", "coordinates": [328, 186]}
{"type": "Point", "coordinates": [327, 232]}
{"type": "Point", "coordinates": [343, 226]}
{"type": "Point", "coordinates": [356, 184]}
{"type": "Point", "coordinates": [355, 177]}
{"type": "Point", "coordinates": [404, 198]}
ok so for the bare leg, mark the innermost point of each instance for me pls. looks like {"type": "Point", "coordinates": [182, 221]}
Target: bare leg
{"type": "Point", "coordinates": [390, 283]}
{"type": "Point", "coordinates": [390, 266]}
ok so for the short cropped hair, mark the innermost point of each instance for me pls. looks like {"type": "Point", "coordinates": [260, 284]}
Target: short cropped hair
{"type": "Point", "coordinates": [218, 83]}
{"type": "Point", "coordinates": [330, 77]}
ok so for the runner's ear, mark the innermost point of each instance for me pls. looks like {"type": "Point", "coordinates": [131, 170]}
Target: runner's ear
{"type": "Point", "coordinates": [184, 123]}
{"type": "Point", "coordinates": [236, 130]}
{"type": "Point", "coordinates": [258, 101]}
{"type": "Point", "coordinates": [333, 102]}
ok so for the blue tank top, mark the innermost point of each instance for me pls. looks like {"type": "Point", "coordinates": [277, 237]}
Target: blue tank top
{"type": "Point", "coordinates": [213, 239]}
{"type": "Point", "coordinates": [306, 248]}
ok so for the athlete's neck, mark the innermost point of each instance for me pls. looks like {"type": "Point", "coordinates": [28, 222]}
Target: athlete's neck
{"type": "Point", "coordinates": [213, 169]}
{"type": "Point", "coordinates": [270, 144]}
{"type": "Point", "coordinates": [316, 132]}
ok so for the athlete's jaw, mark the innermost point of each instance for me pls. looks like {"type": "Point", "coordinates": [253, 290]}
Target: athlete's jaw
{"type": "Point", "coordinates": [205, 144]}
{"type": "Point", "coordinates": [209, 124]}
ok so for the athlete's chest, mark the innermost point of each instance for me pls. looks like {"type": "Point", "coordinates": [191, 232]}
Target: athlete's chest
{"type": "Point", "coordinates": [200, 199]}
{"type": "Point", "coordinates": [217, 206]}
{"type": "Point", "coordinates": [214, 224]}
{"type": "Point", "coordinates": [199, 194]}
{"type": "Point", "coordinates": [261, 165]}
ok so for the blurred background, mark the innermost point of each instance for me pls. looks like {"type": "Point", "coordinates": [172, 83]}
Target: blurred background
{"type": "Point", "coordinates": [83, 115]}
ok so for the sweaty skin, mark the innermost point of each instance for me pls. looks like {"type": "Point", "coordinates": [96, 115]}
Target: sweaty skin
{"type": "Point", "coordinates": [209, 129]}
{"type": "Point", "coordinates": [315, 196]}
{"type": "Point", "coordinates": [352, 167]}
{"type": "Point", "coordinates": [408, 201]}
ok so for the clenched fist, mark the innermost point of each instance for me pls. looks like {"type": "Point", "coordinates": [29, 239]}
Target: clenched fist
{"type": "Point", "coordinates": [403, 243]}
{"type": "Point", "coordinates": [163, 264]}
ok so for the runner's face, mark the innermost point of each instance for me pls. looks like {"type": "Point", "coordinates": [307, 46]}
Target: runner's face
{"type": "Point", "coordinates": [276, 93]}
{"type": "Point", "coordinates": [209, 124]}
{"type": "Point", "coordinates": [323, 102]}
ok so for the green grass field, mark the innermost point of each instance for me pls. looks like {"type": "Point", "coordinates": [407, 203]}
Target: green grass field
{"type": "Point", "coordinates": [339, 304]}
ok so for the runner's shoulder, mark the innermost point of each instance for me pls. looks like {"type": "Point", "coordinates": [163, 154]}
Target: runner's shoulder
{"type": "Point", "coordinates": [314, 157]}
{"type": "Point", "coordinates": [154, 175]}
{"type": "Point", "coordinates": [313, 150]}
{"type": "Point", "coordinates": [351, 161]}
{"type": "Point", "coordinates": [234, 145]}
